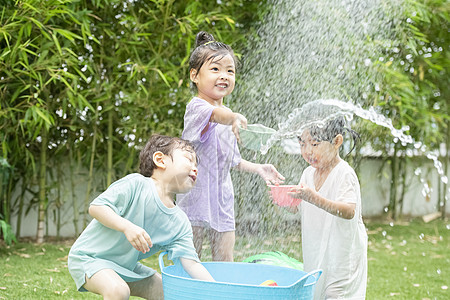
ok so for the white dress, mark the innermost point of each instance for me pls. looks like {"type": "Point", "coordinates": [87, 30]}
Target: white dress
{"type": "Point", "coordinates": [337, 246]}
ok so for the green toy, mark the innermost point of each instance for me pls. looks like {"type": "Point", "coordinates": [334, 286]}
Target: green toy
{"type": "Point", "coordinates": [275, 258]}
{"type": "Point", "coordinates": [255, 136]}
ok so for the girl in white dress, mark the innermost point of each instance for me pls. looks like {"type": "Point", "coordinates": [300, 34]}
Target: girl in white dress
{"type": "Point", "coordinates": [334, 237]}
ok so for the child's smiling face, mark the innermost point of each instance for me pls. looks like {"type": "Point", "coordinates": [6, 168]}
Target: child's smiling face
{"type": "Point", "coordinates": [181, 170]}
{"type": "Point", "coordinates": [215, 79]}
{"type": "Point", "coordinates": [319, 154]}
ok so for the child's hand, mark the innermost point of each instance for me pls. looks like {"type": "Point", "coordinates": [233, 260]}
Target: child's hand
{"type": "Point", "coordinates": [303, 192]}
{"type": "Point", "coordinates": [270, 174]}
{"type": "Point", "coordinates": [138, 238]}
{"type": "Point", "coordinates": [239, 121]}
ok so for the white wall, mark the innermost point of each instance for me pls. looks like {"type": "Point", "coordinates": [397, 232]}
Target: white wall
{"type": "Point", "coordinates": [374, 188]}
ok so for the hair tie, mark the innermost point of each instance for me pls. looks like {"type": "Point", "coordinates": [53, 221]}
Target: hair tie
{"type": "Point", "coordinates": [208, 43]}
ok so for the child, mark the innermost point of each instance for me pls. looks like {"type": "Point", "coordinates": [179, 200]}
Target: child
{"type": "Point", "coordinates": [214, 130]}
{"type": "Point", "coordinates": [334, 238]}
{"type": "Point", "coordinates": [135, 218]}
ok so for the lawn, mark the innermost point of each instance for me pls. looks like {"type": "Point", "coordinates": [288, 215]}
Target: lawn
{"type": "Point", "coordinates": [406, 261]}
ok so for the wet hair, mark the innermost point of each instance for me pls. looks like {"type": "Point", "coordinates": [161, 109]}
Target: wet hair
{"type": "Point", "coordinates": [163, 143]}
{"type": "Point", "coordinates": [332, 128]}
{"type": "Point", "coordinates": [207, 48]}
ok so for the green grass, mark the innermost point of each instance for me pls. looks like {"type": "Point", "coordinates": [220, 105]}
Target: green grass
{"type": "Point", "coordinates": [406, 261]}
{"type": "Point", "coordinates": [409, 261]}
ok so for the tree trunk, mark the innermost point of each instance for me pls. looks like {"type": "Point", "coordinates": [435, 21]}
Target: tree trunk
{"type": "Point", "coordinates": [5, 191]}
{"type": "Point", "coordinates": [59, 202]}
{"type": "Point", "coordinates": [403, 165]}
{"type": "Point", "coordinates": [110, 147]}
{"type": "Point", "coordinates": [20, 212]}
{"type": "Point", "coordinates": [91, 170]}
{"type": "Point", "coordinates": [394, 183]}
{"type": "Point", "coordinates": [73, 174]}
{"type": "Point", "coordinates": [2, 197]}
{"type": "Point", "coordinates": [446, 162]}
{"type": "Point", "coordinates": [42, 188]}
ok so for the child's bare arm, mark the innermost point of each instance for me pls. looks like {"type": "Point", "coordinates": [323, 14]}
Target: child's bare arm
{"type": "Point", "coordinates": [224, 116]}
{"type": "Point", "coordinates": [267, 171]}
{"type": "Point", "coordinates": [196, 270]}
{"type": "Point", "coordinates": [136, 235]}
{"type": "Point", "coordinates": [227, 117]}
{"type": "Point", "coordinates": [339, 209]}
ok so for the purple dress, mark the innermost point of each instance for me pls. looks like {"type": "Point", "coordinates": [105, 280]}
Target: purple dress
{"type": "Point", "coordinates": [211, 202]}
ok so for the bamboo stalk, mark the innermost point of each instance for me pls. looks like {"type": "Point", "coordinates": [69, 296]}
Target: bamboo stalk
{"type": "Point", "coordinates": [42, 188]}
{"type": "Point", "coordinates": [110, 148]}
{"type": "Point", "coordinates": [446, 162]}
{"type": "Point", "coordinates": [20, 212]}
{"type": "Point", "coordinates": [91, 170]}
{"type": "Point", "coordinates": [74, 196]}
{"type": "Point", "coordinates": [393, 187]}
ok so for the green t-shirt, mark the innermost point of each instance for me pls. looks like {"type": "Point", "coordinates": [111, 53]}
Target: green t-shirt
{"type": "Point", "coordinates": [134, 198]}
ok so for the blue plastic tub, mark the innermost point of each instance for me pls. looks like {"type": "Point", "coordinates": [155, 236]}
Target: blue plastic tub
{"type": "Point", "coordinates": [238, 281]}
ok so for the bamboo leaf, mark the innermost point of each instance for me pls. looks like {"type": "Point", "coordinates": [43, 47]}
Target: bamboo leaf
{"type": "Point", "coordinates": [81, 74]}
{"type": "Point", "coordinates": [67, 34]}
{"type": "Point", "coordinates": [46, 118]}
{"type": "Point", "coordinates": [46, 35]}
{"type": "Point", "coordinates": [18, 92]}
{"type": "Point", "coordinates": [161, 74]}
{"type": "Point", "coordinates": [55, 39]}
{"type": "Point", "coordinates": [36, 22]}
{"type": "Point", "coordinates": [66, 83]}
{"type": "Point", "coordinates": [230, 21]}
{"type": "Point", "coordinates": [5, 53]}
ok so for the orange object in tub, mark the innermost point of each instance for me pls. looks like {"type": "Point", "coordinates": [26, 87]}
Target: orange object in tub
{"type": "Point", "coordinates": [280, 195]}
{"type": "Point", "coordinates": [269, 283]}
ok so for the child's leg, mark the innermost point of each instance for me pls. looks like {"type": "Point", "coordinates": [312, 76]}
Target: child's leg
{"type": "Point", "coordinates": [148, 288]}
{"type": "Point", "coordinates": [198, 233]}
{"type": "Point", "coordinates": [109, 284]}
{"type": "Point", "coordinates": [222, 245]}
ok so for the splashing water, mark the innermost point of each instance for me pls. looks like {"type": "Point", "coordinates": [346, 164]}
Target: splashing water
{"type": "Point", "coordinates": [304, 51]}
{"type": "Point", "coordinates": [295, 124]}
{"type": "Point", "coordinates": [299, 120]}
{"type": "Point", "coordinates": [291, 127]}
{"type": "Point", "coordinates": [315, 49]}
